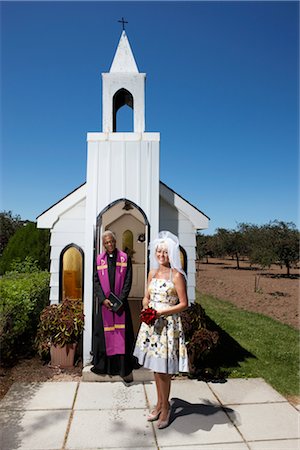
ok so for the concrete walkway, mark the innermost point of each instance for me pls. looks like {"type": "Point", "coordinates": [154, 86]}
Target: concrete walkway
{"type": "Point", "coordinates": [237, 415]}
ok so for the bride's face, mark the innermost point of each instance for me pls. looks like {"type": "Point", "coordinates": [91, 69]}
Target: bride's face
{"type": "Point", "coordinates": [162, 255]}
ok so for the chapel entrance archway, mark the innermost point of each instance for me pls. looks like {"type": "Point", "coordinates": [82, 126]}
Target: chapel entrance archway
{"type": "Point", "coordinates": [131, 227]}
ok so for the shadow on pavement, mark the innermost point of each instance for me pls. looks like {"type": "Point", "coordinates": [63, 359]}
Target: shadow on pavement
{"type": "Point", "coordinates": [210, 414]}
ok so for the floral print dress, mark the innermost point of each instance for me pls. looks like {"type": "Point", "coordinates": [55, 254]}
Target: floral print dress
{"type": "Point", "coordinates": [161, 347]}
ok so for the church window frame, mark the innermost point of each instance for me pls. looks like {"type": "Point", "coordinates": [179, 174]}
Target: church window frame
{"type": "Point", "coordinates": [122, 97]}
{"type": "Point", "coordinates": [127, 242]}
{"type": "Point", "coordinates": [61, 271]}
{"type": "Point", "coordinates": [183, 258]}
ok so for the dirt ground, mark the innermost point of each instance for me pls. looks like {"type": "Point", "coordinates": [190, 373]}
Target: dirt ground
{"type": "Point", "coordinates": [34, 370]}
{"type": "Point", "coordinates": [277, 296]}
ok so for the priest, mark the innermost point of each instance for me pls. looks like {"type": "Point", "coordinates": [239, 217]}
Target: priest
{"type": "Point", "coordinates": [113, 337]}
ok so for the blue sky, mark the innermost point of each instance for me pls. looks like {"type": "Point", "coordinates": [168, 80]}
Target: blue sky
{"type": "Point", "coordinates": [222, 89]}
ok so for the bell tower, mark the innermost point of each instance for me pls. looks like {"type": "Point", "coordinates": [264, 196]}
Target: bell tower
{"type": "Point", "coordinates": [123, 85]}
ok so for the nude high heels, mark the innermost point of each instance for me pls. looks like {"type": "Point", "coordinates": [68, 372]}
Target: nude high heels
{"type": "Point", "coordinates": [153, 416]}
{"type": "Point", "coordinates": [164, 423]}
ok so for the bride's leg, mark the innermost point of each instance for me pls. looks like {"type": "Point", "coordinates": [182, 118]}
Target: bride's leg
{"type": "Point", "coordinates": [158, 392]}
{"type": "Point", "coordinates": [164, 380]}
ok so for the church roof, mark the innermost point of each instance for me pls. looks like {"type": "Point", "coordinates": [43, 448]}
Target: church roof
{"type": "Point", "coordinates": [197, 217]}
{"type": "Point", "coordinates": [124, 60]}
{"type": "Point", "coordinates": [183, 199]}
{"type": "Point", "coordinates": [47, 218]}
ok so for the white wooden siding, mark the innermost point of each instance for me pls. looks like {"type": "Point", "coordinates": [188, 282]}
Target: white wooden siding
{"type": "Point", "coordinates": [172, 219]}
{"type": "Point", "coordinates": [69, 229]}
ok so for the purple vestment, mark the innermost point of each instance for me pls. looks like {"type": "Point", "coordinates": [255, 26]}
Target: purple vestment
{"type": "Point", "coordinates": [113, 323]}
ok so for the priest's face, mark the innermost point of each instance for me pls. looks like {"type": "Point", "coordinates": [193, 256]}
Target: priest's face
{"type": "Point", "coordinates": [109, 243]}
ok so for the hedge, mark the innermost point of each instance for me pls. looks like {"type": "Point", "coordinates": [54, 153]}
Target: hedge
{"type": "Point", "coordinates": [22, 298]}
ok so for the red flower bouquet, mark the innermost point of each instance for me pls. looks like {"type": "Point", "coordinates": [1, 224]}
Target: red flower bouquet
{"type": "Point", "coordinates": [148, 316]}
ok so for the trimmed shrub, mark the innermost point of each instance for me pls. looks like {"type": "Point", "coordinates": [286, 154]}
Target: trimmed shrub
{"type": "Point", "coordinates": [22, 298]}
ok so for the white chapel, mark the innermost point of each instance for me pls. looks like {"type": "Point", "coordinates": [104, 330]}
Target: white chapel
{"type": "Point", "coordinates": [122, 193]}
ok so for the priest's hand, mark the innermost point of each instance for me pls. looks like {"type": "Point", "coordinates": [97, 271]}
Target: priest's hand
{"type": "Point", "coordinates": [107, 303]}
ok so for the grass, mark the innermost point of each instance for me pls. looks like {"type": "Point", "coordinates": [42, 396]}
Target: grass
{"type": "Point", "coordinates": [253, 345]}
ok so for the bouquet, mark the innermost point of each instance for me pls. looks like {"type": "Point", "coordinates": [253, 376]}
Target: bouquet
{"type": "Point", "coordinates": [148, 316]}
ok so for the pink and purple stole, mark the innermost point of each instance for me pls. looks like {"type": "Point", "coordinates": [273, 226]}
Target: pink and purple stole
{"type": "Point", "coordinates": [114, 324]}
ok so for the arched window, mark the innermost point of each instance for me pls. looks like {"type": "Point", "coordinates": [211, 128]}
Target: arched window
{"type": "Point", "coordinates": [123, 107]}
{"type": "Point", "coordinates": [183, 258]}
{"type": "Point", "coordinates": [71, 273]}
{"type": "Point", "coordinates": [127, 242]}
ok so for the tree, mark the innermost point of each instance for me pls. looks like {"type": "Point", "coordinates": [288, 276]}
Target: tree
{"type": "Point", "coordinates": [219, 242]}
{"type": "Point", "coordinates": [204, 246]}
{"type": "Point", "coordinates": [232, 243]}
{"type": "Point", "coordinates": [260, 249]}
{"type": "Point", "coordinates": [259, 244]}
{"type": "Point", "coordinates": [8, 226]}
{"type": "Point", "coordinates": [273, 243]}
{"type": "Point", "coordinates": [28, 241]}
{"type": "Point", "coordinates": [285, 238]}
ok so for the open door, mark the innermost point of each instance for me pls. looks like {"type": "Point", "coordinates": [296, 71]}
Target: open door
{"type": "Point", "coordinates": [131, 228]}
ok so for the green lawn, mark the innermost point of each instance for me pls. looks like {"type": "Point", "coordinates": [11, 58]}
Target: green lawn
{"type": "Point", "coordinates": [253, 345]}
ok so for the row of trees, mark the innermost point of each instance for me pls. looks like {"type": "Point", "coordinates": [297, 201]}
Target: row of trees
{"type": "Point", "coordinates": [274, 243]}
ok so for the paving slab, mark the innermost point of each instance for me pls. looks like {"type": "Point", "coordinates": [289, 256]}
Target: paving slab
{"type": "Point", "coordinates": [240, 390]}
{"type": "Point", "coordinates": [99, 396]}
{"type": "Point", "coordinates": [267, 421]}
{"type": "Point", "coordinates": [110, 429]}
{"type": "Point", "coordinates": [146, 447]}
{"type": "Point", "coordinates": [192, 392]}
{"type": "Point", "coordinates": [33, 430]}
{"type": "Point", "coordinates": [34, 396]}
{"type": "Point", "coordinates": [229, 446]}
{"type": "Point", "coordinates": [204, 427]}
{"type": "Point", "coordinates": [286, 444]}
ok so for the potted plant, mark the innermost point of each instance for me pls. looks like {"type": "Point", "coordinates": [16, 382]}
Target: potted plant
{"type": "Point", "coordinates": [59, 330]}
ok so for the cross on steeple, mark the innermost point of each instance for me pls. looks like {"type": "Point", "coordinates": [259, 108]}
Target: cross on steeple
{"type": "Point", "coordinates": [123, 21]}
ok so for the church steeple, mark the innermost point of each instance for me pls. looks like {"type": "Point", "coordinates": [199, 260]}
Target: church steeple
{"type": "Point", "coordinates": [123, 85]}
{"type": "Point", "coordinates": [124, 60]}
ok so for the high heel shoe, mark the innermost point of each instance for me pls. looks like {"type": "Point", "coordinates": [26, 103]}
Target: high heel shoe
{"type": "Point", "coordinates": [164, 423]}
{"type": "Point", "coordinates": [153, 416]}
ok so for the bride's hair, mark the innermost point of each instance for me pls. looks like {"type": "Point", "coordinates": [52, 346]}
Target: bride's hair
{"type": "Point", "coordinates": [170, 241]}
